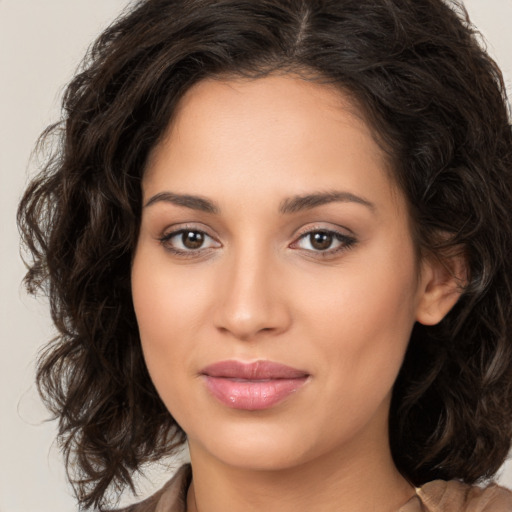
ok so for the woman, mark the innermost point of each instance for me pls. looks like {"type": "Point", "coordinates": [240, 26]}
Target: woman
{"type": "Point", "coordinates": [281, 231]}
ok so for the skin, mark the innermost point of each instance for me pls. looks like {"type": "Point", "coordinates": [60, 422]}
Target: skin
{"type": "Point", "coordinates": [257, 288]}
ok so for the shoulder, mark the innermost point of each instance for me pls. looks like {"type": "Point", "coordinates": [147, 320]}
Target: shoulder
{"type": "Point", "coordinates": [171, 497]}
{"type": "Point", "coordinates": [454, 496]}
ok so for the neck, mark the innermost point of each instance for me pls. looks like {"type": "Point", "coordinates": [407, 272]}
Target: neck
{"type": "Point", "coordinates": [358, 479]}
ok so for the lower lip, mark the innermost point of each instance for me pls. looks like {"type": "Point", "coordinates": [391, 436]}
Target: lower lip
{"type": "Point", "coordinates": [252, 395]}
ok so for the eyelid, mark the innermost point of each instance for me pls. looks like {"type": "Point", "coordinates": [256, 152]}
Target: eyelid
{"type": "Point", "coordinates": [347, 241]}
{"type": "Point", "coordinates": [327, 227]}
{"type": "Point", "coordinates": [172, 231]}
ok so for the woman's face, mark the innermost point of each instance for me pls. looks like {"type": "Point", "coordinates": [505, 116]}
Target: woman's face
{"type": "Point", "coordinates": [275, 281]}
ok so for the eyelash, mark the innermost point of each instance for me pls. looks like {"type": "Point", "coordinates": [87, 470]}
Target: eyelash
{"type": "Point", "coordinates": [165, 240]}
{"type": "Point", "coordinates": [345, 242]}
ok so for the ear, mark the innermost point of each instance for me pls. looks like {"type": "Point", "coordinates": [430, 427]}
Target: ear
{"type": "Point", "coordinates": [442, 282]}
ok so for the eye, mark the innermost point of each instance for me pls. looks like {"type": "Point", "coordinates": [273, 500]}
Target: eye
{"type": "Point", "coordinates": [324, 241]}
{"type": "Point", "coordinates": [188, 241]}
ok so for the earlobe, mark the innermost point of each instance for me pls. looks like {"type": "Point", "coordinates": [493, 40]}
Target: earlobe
{"type": "Point", "coordinates": [442, 282]}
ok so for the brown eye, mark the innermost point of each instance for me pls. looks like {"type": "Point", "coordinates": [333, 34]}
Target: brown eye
{"type": "Point", "coordinates": [192, 239]}
{"type": "Point", "coordinates": [188, 242]}
{"type": "Point", "coordinates": [324, 242]}
{"type": "Point", "coordinates": [321, 240]}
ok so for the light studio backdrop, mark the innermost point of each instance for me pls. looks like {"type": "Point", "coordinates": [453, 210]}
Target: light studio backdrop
{"type": "Point", "coordinates": [41, 44]}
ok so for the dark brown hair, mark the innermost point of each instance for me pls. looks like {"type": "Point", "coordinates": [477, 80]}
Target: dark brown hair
{"type": "Point", "coordinates": [437, 104]}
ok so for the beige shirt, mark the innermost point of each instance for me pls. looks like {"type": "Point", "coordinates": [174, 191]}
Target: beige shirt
{"type": "Point", "coordinates": [436, 496]}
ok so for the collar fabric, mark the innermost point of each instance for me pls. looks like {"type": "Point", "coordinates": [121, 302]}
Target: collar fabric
{"type": "Point", "coordinates": [435, 496]}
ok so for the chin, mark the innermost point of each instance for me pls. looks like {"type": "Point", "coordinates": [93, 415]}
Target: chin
{"type": "Point", "coordinates": [259, 447]}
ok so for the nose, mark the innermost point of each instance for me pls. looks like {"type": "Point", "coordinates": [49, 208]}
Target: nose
{"type": "Point", "coordinates": [252, 298]}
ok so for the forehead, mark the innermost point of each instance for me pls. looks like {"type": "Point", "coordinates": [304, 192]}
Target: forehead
{"type": "Point", "coordinates": [288, 103]}
{"type": "Point", "coordinates": [279, 133]}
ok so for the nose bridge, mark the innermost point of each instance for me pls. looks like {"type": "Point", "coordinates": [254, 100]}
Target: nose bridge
{"type": "Point", "coordinates": [250, 302]}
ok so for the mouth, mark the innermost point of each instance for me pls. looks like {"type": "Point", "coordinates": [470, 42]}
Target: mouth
{"type": "Point", "coordinates": [252, 386]}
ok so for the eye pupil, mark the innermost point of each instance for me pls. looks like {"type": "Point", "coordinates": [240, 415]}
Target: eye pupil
{"type": "Point", "coordinates": [192, 239]}
{"type": "Point", "coordinates": [321, 240]}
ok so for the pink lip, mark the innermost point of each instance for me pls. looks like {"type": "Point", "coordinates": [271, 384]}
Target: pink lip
{"type": "Point", "coordinates": [252, 386]}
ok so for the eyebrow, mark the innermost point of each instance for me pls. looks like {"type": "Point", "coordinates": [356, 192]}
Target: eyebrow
{"type": "Point", "coordinates": [308, 201]}
{"type": "Point", "coordinates": [290, 205]}
{"type": "Point", "coordinates": [186, 200]}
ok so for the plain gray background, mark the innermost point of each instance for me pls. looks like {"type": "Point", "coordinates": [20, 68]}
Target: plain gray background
{"type": "Point", "coordinates": [41, 43]}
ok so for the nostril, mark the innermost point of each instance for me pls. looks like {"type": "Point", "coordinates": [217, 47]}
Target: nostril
{"type": "Point", "coordinates": [248, 304]}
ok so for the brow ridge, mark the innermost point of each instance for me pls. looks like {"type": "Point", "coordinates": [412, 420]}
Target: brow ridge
{"type": "Point", "coordinates": [288, 206]}
{"type": "Point", "coordinates": [309, 201]}
{"type": "Point", "coordinates": [186, 200]}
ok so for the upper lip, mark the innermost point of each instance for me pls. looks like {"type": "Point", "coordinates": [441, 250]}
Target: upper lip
{"type": "Point", "coordinates": [257, 370]}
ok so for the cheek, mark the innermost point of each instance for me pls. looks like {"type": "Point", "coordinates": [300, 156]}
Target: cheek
{"type": "Point", "coordinates": [165, 307]}
{"type": "Point", "coordinates": [171, 303]}
{"type": "Point", "coordinates": [362, 322]}
{"type": "Point", "coordinates": [167, 298]}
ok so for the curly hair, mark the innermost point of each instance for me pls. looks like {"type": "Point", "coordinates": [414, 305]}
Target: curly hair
{"type": "Point", "coordinates": [437, 104]}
